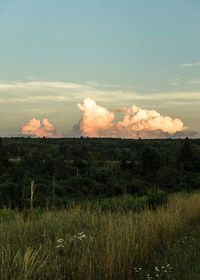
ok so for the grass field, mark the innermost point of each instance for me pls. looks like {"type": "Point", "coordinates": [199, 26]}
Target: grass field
{"type": "Point", "coordinates": [179, 262]}
{"type": "Point", "coordinates": [95, 245]}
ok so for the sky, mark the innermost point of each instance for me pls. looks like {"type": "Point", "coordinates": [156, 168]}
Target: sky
{"type": "Point", "coordinates": [106, 56]}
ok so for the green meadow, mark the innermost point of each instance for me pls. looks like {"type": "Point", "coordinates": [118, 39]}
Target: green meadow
{"type": "Point", "coordinates": [89, 243]}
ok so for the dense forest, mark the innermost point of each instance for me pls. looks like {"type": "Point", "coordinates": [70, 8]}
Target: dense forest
{"type": "Point", "coordinates": [48, 172]}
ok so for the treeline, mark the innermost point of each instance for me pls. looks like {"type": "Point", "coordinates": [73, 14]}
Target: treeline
{"type": "Point", "coordinates": [50, 172]}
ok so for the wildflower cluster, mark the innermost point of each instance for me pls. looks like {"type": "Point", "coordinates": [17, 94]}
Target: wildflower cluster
{"type": "Point", "coordinates": [79, 236]}
{"type": "Point", "coordinates": [60, 243]}
{"type": "Point", "coordinates": [184, 240]}
{"type": "Point", "coordinates": [160, 271]}
{"type": "Point", "coordinates": [149, 277]}
{"type": "Point", "coordinates": [137, 269]}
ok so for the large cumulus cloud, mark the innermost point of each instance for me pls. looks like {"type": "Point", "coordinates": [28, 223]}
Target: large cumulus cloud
{"type": "Point", "coordinates": [97, 121]}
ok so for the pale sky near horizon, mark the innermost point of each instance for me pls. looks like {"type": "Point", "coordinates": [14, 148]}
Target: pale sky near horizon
{"type": "Point", "coordinates": [55, 53]}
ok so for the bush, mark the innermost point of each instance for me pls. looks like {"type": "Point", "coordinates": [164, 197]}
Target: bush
{"type": "Point", "coordinates": [7, 214]}
{"type": "Point", "coordinates": [155, 199]}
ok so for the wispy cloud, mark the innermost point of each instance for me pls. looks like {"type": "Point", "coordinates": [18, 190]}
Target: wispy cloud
{"type": "Point", "coordinates": [195, 82]}
{"type": "Point", "coordinates": [39, 84]}
{"type": "Point", "coordinates": [175, 82]}
{"type": "Point", "coordinates": [34, 92]}
{"type": "Point", "coordinates": [190, 64]}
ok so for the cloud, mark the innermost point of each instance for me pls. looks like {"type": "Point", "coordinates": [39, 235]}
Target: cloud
{"type": "Point", "coordinates": [39, 128]}
{"type": "Point", "coordinates": [175, 82]}
{"type": "Point", "coordinates": [39, 84]}
{"type": "Point", "coordinates": [94, 118]}
{"type": "Point", "coordinates": [194, 82]}
{"type": "Point", "coordinates": [44, 92]}
{"type": "Point", "coordinates": [190, 64]}
{"type": "Point", "coordinates": [57, 101]}
{"type": "Point", "coordinates": [97, 121]}
{"type": "Point", "coordinates": [188, 133]}
{"type": "Point", "coordinates": [75, 132]}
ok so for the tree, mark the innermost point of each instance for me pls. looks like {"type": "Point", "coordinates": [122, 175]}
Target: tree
{"type": "Point", "coordinates": [150, 161]}
{"type": "Point", "coordinates": [3, 157]}
{"type": "Point", "coordinates": [186, 155]}
{"type": "Point", "coordinates": [186, 151]}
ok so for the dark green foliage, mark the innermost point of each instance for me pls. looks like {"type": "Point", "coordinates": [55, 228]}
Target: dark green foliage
{"type": "Point", "coordinates": [7, 214]}
{"type": "Point", "coordinates": [186, 151]}
{"type": "Point", "coordinates": [121, 203]}
{"type": "Point", "coordinates": [3, 157]}
{"type": "Point", "coordinates": [150, 161]}
{"type": "Point", "coordinates": [154, 199]}
{"type": "Point", "coordinates": [93, 168]}
{"type": "Point", "coordinates": [186, 155]}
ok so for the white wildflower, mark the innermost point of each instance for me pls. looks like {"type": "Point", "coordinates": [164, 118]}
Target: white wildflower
{"type": "Point", "coordinates": [60, 246]}
{"type": "Point", "coordinates": [60, 240]}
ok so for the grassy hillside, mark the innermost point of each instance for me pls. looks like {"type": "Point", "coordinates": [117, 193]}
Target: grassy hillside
{"type": "Point", "coordinates": [92, 244]}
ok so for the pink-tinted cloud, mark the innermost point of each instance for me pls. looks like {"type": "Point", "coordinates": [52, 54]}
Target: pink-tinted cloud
{"type": "Point", "coordinates": [94, 118]}
{"type": "Point", "coordinates": [97, 121]}
{"type": "Point", "coordinates": [39, 129]}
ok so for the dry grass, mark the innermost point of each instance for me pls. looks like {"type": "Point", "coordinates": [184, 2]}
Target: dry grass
{"type": "Point", "coordinates": [114, 244]}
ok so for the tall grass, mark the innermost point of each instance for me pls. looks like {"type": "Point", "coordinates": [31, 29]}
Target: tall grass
{"type": "Point", "coordinates": [90, 244]}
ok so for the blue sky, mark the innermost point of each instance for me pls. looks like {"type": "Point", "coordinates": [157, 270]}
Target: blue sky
{"type": "Point", "coordinates": [116, 52]}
